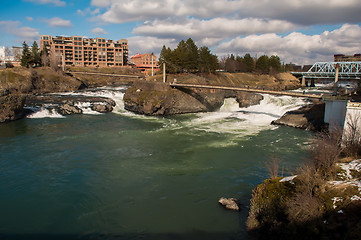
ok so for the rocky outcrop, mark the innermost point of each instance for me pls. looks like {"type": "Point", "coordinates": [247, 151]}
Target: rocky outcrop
{"type": "Point", "coordinates": [248, 99]}
{"type": "Point", "coordinates": [310, 117]}
{"type": "Point", "coordinates": [229, 203]}
{"type": "Point", "coordinates": [154, 98]}
{"type": "Point", "coordinates": [11, 107]}
{"type": "Point", "coordinates": [68, 104]}
{"type": "Point", "coordinates": [102, 108]}
{"type": "Point", "coordinates": [68, 109]}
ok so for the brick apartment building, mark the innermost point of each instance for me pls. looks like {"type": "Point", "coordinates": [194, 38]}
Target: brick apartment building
{"type": "Point", "coordinates": [80, 51]}
{"type": "Point", "coordinates": [145, 62]}
{"type": "Point", "coordinates": [347, 58]}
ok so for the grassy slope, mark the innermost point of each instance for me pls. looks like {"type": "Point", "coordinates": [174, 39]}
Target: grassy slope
{"type": "Point", "coordinates": [280, 81]}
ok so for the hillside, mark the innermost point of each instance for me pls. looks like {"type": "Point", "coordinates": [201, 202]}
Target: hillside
{"type": "Point", "coordinates": [281, 81]}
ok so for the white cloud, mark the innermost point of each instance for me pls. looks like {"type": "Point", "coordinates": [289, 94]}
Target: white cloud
{"type": "Point", "coordinates": [99, 31]}
{"type": "Point", "coordinates": [297, 47]}
{"type": "Point", "coordinates": [306, 12]}
{"type": "Point", "coordinates": [149, 44]}
{"type": "Point", "coordinates": [102, 3]}
{"type": "Point", "coordinates": [211, 31]}
{"type": "Point", "coordinates": [22, 33]}
{"type": "Point", "coordinates": [88, 11]}
{"type": "Point", "coordinates": [55, 2]}
{"type": "Point", "coordinates": [30, 19]}
{"type": "Point", "coordinates": [58, 22]}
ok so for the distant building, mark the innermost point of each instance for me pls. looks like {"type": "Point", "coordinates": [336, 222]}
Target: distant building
{"type": "Point", "coordinates": [145, 62]}
{"type": "Point", "coordinates": [81, 51]}
{"type": "Point", "coordinates": [347, 58]}
{"type": "Point", "coordinates": [8, 55]}
{"type": "Point", "coordinates": [2, 54]}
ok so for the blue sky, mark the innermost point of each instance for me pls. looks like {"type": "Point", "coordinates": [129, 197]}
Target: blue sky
{"type": "Point", "coordinates": [299, 31]}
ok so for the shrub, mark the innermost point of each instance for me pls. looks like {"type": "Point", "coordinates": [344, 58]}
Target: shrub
{"type": "Point", "coordinates": [325, 152]}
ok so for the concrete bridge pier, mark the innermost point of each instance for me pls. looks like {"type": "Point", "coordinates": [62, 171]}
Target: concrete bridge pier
{"type": "Point", "coordinates": [303, 82]}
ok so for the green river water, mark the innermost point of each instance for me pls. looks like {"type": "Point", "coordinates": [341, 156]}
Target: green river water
{"type": "Point", "coordinates": [124, 176]}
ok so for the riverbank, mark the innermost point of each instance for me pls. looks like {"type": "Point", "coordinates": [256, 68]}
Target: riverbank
{"type": "Point", "coordinates": [35, 89]}
{"type": "Point", "coordinates": [321, 201]}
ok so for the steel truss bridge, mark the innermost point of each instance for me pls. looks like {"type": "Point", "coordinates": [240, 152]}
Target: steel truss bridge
{"type": "Point", "coordinates": [345, 70]}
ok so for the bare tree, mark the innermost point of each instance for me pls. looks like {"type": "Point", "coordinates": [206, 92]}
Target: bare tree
{"type": "Point", "coordinates": [17, 54]}
{"type": "Point", "coordinates": [325, 152]}
{"type": "Point", "coordinates": [54, 62]}
{"type": "Point", "coordinates": [273, 167]}
{"type": "Point", "coordinates": [7, 53]}
{"type": "Point", "coordinates": [352, 135]}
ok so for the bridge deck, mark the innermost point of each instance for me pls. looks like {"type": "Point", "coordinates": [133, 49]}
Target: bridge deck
{"type": "Point", "coordinates": [284, 93]}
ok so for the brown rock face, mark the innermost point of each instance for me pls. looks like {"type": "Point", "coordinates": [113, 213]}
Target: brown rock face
{"type": "Point", "coordinates": [309, 117]}
{"type": "Point", "coordinates": [11, 107]}
{"type": "Point", "coordinates": [154, 98]}
{"type": "Point", "coordinates": [248, 99]}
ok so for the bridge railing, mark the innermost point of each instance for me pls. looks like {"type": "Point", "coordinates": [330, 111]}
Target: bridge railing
{"type": "Point", "coordinates": [347, 70]}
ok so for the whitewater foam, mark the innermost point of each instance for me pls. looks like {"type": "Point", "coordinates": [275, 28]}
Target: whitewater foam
{"type": "Point", "coordinates": [45, 113]}
{"type": "Point", "coordinates": [246, 121]}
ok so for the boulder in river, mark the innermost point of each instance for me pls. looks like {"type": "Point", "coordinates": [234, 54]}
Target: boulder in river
{"type": "Point", "coordinates": [246, 99]}
{"type": "Point", "coordinates": [157, 98]}
{"type": "Point", "coordinates": [68, 109]}
{"type": "Point", "coordinates": [229, 203]}
{"type": "Point", "coordinates": [310, 117]}
{"type": "Point", "coordinates": [102, 108]}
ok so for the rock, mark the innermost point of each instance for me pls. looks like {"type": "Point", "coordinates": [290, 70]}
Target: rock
{"type": "Point", "coordinates": [229, 203]}
{"type": "Point", "coordinates": [11, 107]}
{"type": "Point", "coordinates": [102, 108]}
{"type": "Point", "coordinates": [310, 117]}
{"type": "Point", "coordinates": [67, 109]}
{"type": "Point", "coordinates": [248, 99]}
{"type": "Point", "coordinates": [156, 98]}
{"type": "Point", "coordinates": [65, 104]}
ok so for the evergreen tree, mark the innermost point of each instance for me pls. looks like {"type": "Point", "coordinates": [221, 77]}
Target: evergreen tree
{"type": "Point", "coordinates": [208, 62]}
{"type": "Point", "coordinates": [191, 55]}
{"type": "Point", "coordinates": [262, 64]}
{"type": "Point", "coordinates": [179, 57]}
{"type": "Point", "coordinates": [35, 55]}
{"type": "Point", "coordinates": [248, 63]}
{"type": "Point", "coordinates": [275, 64]}
{"type": "Point", "coordinates": [26, 56]}
{"type": "Point", "coordinates": [166, 56]}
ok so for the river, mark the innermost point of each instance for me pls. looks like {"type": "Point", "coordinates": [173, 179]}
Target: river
{"type": "Point", "coordinates": [125, 176]}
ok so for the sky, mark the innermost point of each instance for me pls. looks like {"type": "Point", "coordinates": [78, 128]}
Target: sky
{"type": "Point", "coordinates": [298, 31]}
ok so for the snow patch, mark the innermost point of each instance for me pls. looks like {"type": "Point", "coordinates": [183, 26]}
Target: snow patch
{"type": "Point", "coordinates": [346, 174]}
{"type": "Point", "coordinates": [288, 179]}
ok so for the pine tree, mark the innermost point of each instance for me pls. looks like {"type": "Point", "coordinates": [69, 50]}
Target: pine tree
{"type": "Point", "coordinates": [179, 57]}
{"type": "Point", "coordinates": [35, 55]}
{"type": "Point", "coordinates": [248, 62]}
{"type": "Point", "coordinates": [208, 62]}
{"type": "Point", "coordinates": [26, 56]}
{"type": "Point", "coordinates": [191, 55]}
{"type": "Point", "coordinates": [262, 64]}
{"type": "Point", "coordinates": [275, 64]}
